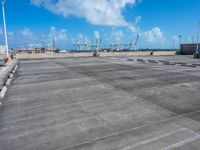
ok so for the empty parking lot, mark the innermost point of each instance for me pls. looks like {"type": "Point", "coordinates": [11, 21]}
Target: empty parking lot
{"type": "Point", "coordinates": [103, 104]}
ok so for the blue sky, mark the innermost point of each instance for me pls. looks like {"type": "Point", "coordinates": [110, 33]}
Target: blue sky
{"type": "Point", "coordinates": [158, 22]}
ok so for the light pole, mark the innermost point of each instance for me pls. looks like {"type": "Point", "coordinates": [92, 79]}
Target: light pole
{"type": "Point", "coordinates": [180, 40]}
{"type": "Point", "coordinates": [97, 48]}
{"type": "Point", "coordinates": [192, 40]}
{"type": "Point", "coordinates": [173, 43]}
{"type": "Point", "coordinates": [5, 31]}
{"type": "Point", "coordinates": [197, 50]}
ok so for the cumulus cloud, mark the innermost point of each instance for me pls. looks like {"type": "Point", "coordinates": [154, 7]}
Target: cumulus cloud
{"type": "Point", "coordinates": [63, 35]}
{"type": "Point", "coordinates": [175, 39]}
{"type": "Point", "coordinates": [153, 35]}
{"type": "Point", "coordinates": [117, 35]}
{"type": "Point", "coordinates": [132, 27]}
{"type": "Point", "coordinates": [28, 37]}
{"type": "Point", "coordinates": [26, 32]}
{"type": "Point", "coordinates": [60, 35]}
{"type": "Point", "coordinates": [96, 34]}
{"type": "Point", "coordinates": [138, 20]}
{"type": "Point", "coordinates": [101, 12]}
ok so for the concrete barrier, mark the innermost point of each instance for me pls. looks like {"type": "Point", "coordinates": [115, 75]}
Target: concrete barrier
{"type": "Point", "coordinates": [90, 54]}
{"type": "Point", "coordinates": [2, 56]}
{"type": "Point", "coordinates": [46, 55]}
{"type": "Point", "coordinates": [3, 92]}
{"type": "Point", "coordinates": [6, 76]}
{"type": "Point", "coordinates": [164, 53]}
{"type": "Point", "coordinates": [110, 54]}
{"type": "Point", "coordinates": [8, 82]}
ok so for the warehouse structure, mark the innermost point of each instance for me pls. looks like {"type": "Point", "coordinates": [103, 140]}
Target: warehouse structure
{"type": "Point", "coordinates": [188, 49]}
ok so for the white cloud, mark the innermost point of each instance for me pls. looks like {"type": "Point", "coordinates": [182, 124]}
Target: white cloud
{"type": "Point", "coordinates": [28, 37]}
{"type": "Point", "coordinates": [1, 31]}
{"type": "Point", "coordinates": [96, 34]}
{"type": "Point", "coordinates": [100, 12]}
{"type": "Point", "coordinates": [117, 35]}
{"type": "Point", "coordinates": [175, 39]}
{"type": "Point", "coordinates": [60, 35]}
{"type": "Point", "coordinates": [138, 20]}
{"type": "Point", "coordinates": [132, 27]}
{"type": "Point", "coordinates": [10, 34]}
{"type": "Point", "coordinates": [36, 2]}
{"type": "Point", "coordinates": [80, 36]}
{"type": "Point", "coordinates": [53, 31]}
{"type": "Point", "coordinates": [26, 32]}
{"type": "Point", "coordinates": [153, 35]}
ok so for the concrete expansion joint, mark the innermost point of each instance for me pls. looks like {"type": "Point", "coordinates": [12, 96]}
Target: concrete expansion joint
{"type": "Point", "coordinates": [7, 82]}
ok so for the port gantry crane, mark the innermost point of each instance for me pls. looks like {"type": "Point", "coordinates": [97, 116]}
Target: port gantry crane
{"type": "Point", "coordinates": [79, 45]}
{"type": "Point", "coordinates": [97, 46]}
{"type": "Point", "coordinates": [134, 46]}
{"type": "Point", "coordinates": [83, 44]}
{"type": "Point", "coordinates": [117, 46]}
{"type": "Point", "coordinates": [136, 43]}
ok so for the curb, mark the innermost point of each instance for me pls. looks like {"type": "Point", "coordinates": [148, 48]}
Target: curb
{"type": "Point", "coordinates": [3, 91]}
{"type": "Point", "coordinates": [7, 80]}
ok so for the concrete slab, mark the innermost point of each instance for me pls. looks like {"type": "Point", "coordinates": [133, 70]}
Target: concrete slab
{"type": "Point", "coordinates": [102, 103]}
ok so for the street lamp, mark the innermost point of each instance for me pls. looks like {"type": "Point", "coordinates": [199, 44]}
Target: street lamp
{"type": "Point", "coordinates": [173, 43]}
{"type": "Point", "coordinates": [192, 40]}
{"type": "Point", "coordinates": [180, 40]}
{"type": "Point", "coordinates": [197, 50]}
{"type": "Point", "coordinates": [5, 31]}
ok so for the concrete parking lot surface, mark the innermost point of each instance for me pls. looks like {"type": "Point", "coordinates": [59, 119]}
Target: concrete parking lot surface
{"type": "Point", "coordinates": [102, 104]}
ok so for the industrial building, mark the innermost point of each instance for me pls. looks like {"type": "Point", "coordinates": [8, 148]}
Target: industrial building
{"type": "Point", "coordinates": [188, 49]}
